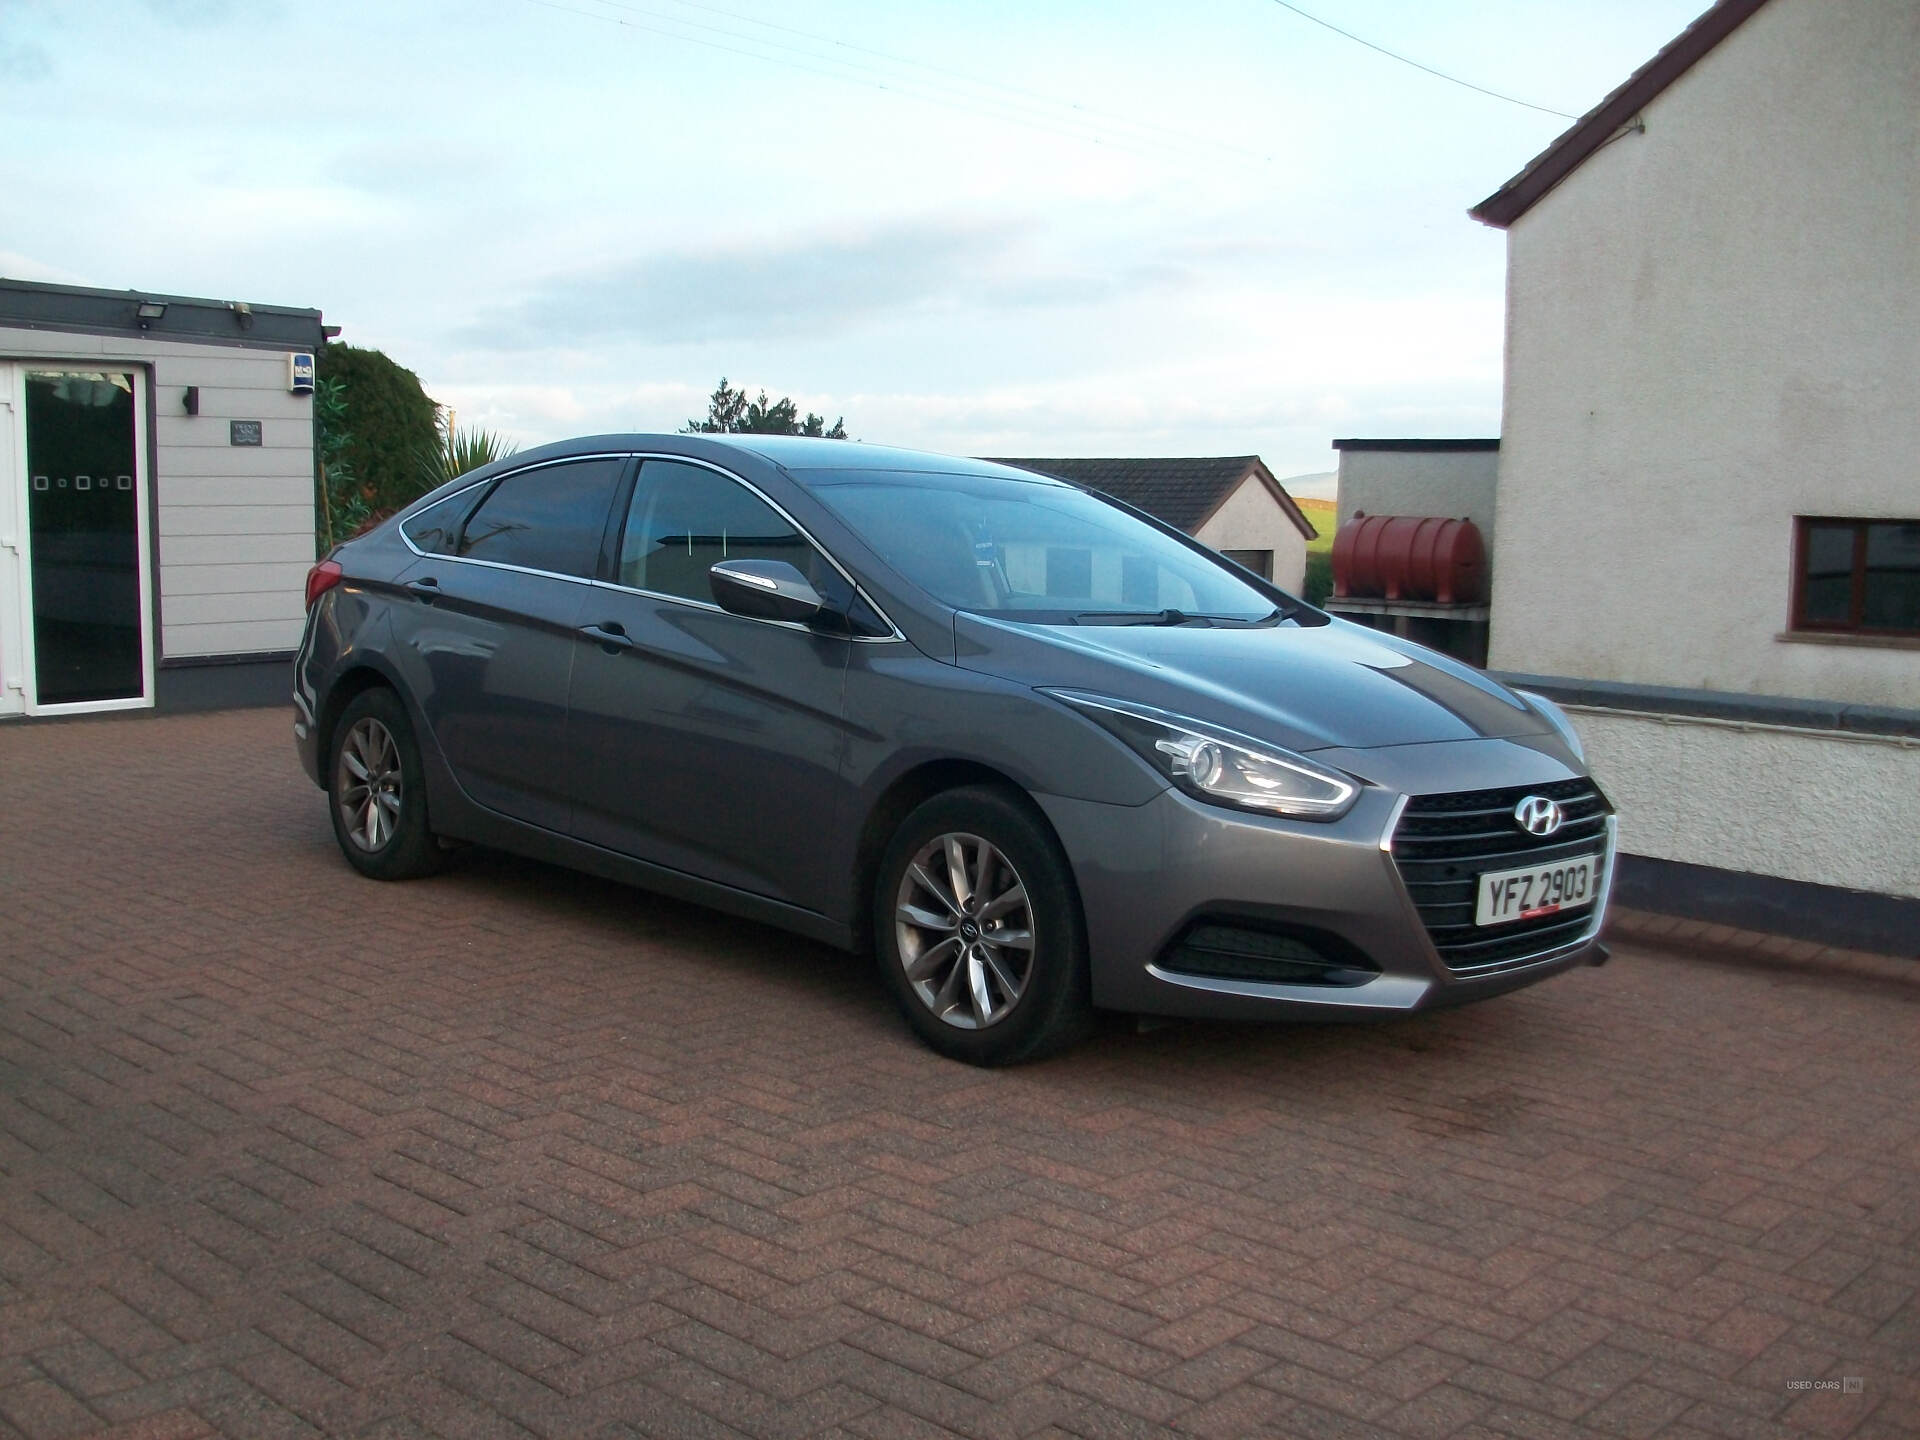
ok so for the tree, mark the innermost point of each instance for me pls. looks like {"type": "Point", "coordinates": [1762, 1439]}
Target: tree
{"type": "Point", "coordinates": [386, 419]}
{"type": "Point", "coordinates": [1318, 585]}
{"type": "Point", "coordinates": [729, 412]}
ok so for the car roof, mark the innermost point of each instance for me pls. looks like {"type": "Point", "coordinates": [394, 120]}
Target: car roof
{"type": "Point", "coordinates": [801, 452]}
{"type": "Point", "coordinates": [790, 452]}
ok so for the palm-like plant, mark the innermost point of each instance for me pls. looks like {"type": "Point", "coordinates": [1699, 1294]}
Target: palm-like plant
{"type": "Point", "coordinates": [456, 451]}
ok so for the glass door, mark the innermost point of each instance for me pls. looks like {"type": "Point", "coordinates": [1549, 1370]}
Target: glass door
{"type": "Point", "coordinates": [13, 644]}
{"type": "Point", "coordinates": [86, 612]}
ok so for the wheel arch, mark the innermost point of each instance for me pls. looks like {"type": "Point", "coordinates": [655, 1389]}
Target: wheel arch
{"type": "Point", "coordinates": [350, 684]}
{"type": "Point", "coordinates": [901, 798]}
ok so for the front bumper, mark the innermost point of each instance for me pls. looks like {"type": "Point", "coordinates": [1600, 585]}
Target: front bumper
{"type": "Point", "coordinates": [1149, 873]}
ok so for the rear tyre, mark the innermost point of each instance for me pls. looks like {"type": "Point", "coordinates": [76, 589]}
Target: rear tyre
{"type": "Point", "coordinates": [978, 932]}
{"type": "Point", "coordinates": [377, 791]}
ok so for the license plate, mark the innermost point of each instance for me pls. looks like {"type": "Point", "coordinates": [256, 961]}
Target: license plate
{"type": "Point", "coordinates": [1536, 891]}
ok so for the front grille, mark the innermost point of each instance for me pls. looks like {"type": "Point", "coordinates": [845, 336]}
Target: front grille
{"type": "Point", "coordinates": [1444, 843]}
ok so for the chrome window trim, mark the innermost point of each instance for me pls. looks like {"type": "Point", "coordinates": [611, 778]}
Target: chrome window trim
{"type": "Point", "coordinates": [891, 638]}
{"type": "Point", "coordinates": [401, 520]}
{"type": "Point", "coordinates": [894, 637]}
{"type": "Point", "coordinates": [513, 569]}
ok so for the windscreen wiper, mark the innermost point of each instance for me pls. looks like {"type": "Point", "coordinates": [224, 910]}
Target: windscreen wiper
{"type": "Point", "coordinates": [1169, 616]}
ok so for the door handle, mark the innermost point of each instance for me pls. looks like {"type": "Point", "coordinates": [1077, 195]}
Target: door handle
{"type": "Point", "coordinates": [612, 637]}
{"type": "Point", "coordinates": [427, 588]}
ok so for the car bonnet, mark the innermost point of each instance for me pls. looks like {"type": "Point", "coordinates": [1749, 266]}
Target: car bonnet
{"type": "Point", "coordinates": [1306, 687]}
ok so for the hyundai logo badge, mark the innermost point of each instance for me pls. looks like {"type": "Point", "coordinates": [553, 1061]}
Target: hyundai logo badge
{"type": "Point", "coordinates": [1537, 815]}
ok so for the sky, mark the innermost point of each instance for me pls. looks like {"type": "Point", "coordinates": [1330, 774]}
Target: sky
{"type": "Point", "coordinates": [1077, 227]}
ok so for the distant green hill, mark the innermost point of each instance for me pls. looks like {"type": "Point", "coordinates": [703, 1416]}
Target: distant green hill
{"type": "Point", "coordinates": [1322, 513]}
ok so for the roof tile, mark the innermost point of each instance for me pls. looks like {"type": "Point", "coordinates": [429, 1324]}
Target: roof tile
{"type": "Point", "coordinates": [1182, 491]}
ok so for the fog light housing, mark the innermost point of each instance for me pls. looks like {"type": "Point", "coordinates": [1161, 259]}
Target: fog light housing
{"type": "Point", "coordinates": [1230, 949]}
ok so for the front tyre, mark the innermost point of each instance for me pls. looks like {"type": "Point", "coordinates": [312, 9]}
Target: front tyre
{"type": "Point", "coordinates": [377, 790]}
{"type": "Point", "coordinates": [978, 931]}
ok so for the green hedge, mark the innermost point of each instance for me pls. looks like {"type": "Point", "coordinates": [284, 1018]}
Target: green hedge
{"type": "Point", "coordinates": [390, 422]}
{"type": "Point", "coordinates": [1319, 581]}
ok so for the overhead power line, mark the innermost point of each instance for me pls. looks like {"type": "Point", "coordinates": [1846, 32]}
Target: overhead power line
{"type": "Point", "coordinates": [789, 62]}
{"type": "Point", "coordinates": [1035, 111]}
{"type": "Point", "coordinates": [1428, 69]}
{"type": "Point", "coordinates": [1080, 111]}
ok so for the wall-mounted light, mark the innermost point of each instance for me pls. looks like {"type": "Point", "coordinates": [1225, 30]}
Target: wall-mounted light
{"type": "Point", "coordinates": [149, 311]}
{"type": "Point", "coordinates": [242, 313]}
{"type": "Point", "coordinates": [191, 400]}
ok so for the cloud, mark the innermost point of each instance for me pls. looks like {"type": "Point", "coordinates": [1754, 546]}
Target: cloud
{"type": "Point", "coordinates": [201, 14]}
{"type": "Point", "coordinates": [1049, 289]}
{"type": "Point", "coordinates": [534, 413]}
{"type": "Point", "coordinates": [1173, 411]}
{"type": "Point", "coordinates": [16, 266]}
{"type": "Point", "coordinates": [815, 285]}
{"type": "Point", "coordinates": [810, 287]}
{"type": "Point", "coordinates": [421, 168]}
{"type": "Point", "coordinates": [20, 60]}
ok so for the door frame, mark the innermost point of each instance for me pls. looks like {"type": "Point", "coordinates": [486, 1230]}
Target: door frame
{"type": "Point", "coordinates": [16, 603]}
{"type": "Point", "coordinates": [16, 670]}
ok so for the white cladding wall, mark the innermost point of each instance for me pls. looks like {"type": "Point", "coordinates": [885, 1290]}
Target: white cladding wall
{"type": "Point", "coordinates": [1711, 328]}
{"type": "Point", "coordinates": [1804, 805]}
{"type": "Point", "coordinates": [235, 522]}
{"type": "Point", "coordinates": [1251, 519]}
{"type": "Point", "coordinates": [1456, 483]}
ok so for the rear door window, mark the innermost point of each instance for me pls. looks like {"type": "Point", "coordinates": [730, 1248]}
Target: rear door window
{"type": "Point", "coordinates": [549, 518]}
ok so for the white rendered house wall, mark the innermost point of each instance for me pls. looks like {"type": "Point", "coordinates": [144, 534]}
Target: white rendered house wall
{"type": "Point", "coordinates": [1712, 327]}
{"type": "Point", "coordinates": [1251, 519]}
{"type": "Point", "coordinates": [1822, 807]}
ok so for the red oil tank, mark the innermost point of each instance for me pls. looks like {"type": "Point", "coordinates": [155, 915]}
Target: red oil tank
{"type": "Point", "coordinates": [1410, 557]}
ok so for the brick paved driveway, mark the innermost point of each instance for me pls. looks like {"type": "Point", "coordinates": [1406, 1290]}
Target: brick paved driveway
{"type": "Point", "coordinates": [283, 1151]}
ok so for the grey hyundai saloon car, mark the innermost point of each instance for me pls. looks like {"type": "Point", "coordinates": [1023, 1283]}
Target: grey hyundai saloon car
{"type": "Point", "coordinates": [1039, 752]}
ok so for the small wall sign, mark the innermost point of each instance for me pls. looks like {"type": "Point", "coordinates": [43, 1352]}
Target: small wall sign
{"type": "Point", "coordinates": [300, 373]}
{"type": "Point", "coordinates": [243, 432]}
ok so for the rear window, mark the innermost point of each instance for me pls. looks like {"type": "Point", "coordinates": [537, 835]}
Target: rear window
{"type": "Point", "coordinates": [549, 518]}
{"type": "Point", "coordinates": [436, 529]}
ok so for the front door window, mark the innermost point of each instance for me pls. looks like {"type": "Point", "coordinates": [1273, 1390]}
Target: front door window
{"type": "Point", "coordinates": [83, 523]}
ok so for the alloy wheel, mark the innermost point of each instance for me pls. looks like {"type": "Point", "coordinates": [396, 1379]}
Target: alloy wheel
{"type": "Point", "coordinates": [367, 785]}
{"type": "Point", "coordinates": [964, 927]}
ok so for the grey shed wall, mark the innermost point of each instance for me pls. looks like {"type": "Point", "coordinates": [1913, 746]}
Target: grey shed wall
{"type": "Point", "coordinates": [234, 523]}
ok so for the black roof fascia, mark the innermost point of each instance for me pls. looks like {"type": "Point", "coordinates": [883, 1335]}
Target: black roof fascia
{"type": "Point", "coordinates": [30, 305]}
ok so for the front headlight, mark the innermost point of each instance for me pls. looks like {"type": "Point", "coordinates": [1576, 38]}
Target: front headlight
{"type": "Point", "coordinates": [1220, 766]}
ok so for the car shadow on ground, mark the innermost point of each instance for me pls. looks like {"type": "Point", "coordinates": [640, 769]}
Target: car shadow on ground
{"type": "Point", "coordinates": [791, 973]}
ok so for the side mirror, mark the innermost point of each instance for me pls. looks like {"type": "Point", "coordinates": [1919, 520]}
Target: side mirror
{"type": "Point", "coordinates": [764, 589]}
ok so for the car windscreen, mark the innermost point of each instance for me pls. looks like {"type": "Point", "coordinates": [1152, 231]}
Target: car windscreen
{"type": "Point", "coordinates": [1037, 551]}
